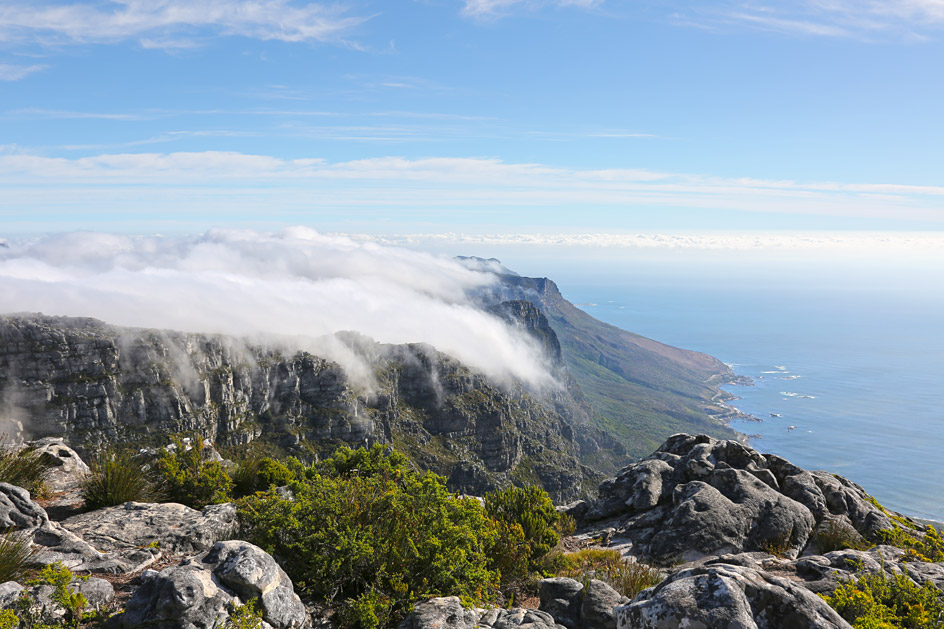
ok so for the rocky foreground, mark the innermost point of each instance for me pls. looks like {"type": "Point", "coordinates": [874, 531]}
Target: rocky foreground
{"type": "Point", "coordinates": [737, 535]}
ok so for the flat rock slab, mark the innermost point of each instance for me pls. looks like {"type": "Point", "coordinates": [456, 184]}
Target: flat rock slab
{"type": "Point", "coordinates": [171, 527]}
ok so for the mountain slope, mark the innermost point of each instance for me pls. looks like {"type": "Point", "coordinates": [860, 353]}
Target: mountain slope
{"type": "Point", "coordinates": [641, 391]}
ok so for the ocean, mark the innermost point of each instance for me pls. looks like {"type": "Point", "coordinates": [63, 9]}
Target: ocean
{"type": "Point", "coordinates": [847, 359]}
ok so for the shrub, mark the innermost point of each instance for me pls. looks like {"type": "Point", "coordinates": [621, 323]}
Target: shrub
{"type": "Point", "coordinates": [24, 467]}
{"type": "Point", "coordinates": [928, 546]}
{"type": "Point", "coordinates": [116, 478]}
{"type": "Point", "coordinates": [15, 555]}
{"type": "Point", "coordinates": [878, 601]}
{"type": "Point", "coordinates": [258, 474]}
{"type": "Point", "coordinates": [531, 509]}
{"type": "Point", "coordinates": [837, 535]}
{"type": "Point", "coordinates": [60, 578]}
{"type": "Point", "coordinates": [371, 536]}
{"type": "Point", "coordinates": [244, 616]}
{"type": "Point", "coordinates": [190, 477]}
{"type": "Point", "coordinates": [627, 578]}
{"type": "Point", "coordinates": [8, 619]}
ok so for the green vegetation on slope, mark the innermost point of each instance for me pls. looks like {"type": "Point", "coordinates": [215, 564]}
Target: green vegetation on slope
{"type": "Point", "coordinates": [641, 391]}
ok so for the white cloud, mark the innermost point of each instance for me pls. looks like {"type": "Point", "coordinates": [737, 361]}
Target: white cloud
{"type": "Point", "coordinates": [866, 20]}
{"type": "Point", "coordinates": [495, 8]}
{"type": "Point", "coordinates": [295, 283]}
{"type": "Point", "coordinates": [10, 72]}
{"type": "Point", "coordinates": [153, 22]}
{"type": "Point", "coordinates": [856, 241]}
{"type": "Point", "coordinates": [443, 182]}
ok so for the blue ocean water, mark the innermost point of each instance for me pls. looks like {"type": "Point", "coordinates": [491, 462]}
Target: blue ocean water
{"type": "Point", "coordinates": [847, 367]}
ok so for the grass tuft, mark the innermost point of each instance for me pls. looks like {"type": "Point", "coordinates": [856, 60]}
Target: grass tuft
{"type": "Point", "coordinates": [117, 478]}
{"type": "Point", "coordinates": [24, 467]}
{"type": "Point", "coordinates": [627, 578]}
{"type": "Point", "coordinates": [16, 553]}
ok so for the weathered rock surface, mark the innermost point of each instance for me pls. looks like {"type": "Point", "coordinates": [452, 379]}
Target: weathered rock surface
{"type": "Point", "coordinates": [697, 496]}
{"type": "Point", "coordinates": [576, 607]}
{"type": "Point", "coordinates": [724, 596]}
{"type": "Point", "coordinates": [42, 607]}
{"type": "Point", "coordinates": [200, 592]}
{"type": "Point", "coordinates": [448, 613]}
{"type": "Point", "coordinates": [19, 513]}
{"type": "Point", "coordinates": [170, 527]}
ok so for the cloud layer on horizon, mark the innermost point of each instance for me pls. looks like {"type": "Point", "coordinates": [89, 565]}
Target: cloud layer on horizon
{"type": "Point", "coordinates": [295, 284]}
{"type": "Point", "coordinates": [233, 179]}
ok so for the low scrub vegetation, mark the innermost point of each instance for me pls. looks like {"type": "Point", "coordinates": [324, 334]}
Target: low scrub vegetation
{"type": "Point", "coordinates": [926, 546]}
{"type": "Point", "coordinates": [627, 578]}
{"type": "Point", "coordinates": [880, 601]}
{"type": "Point", "coordinates": [190, 476]}
{"type": "Point", "coordinates": [368, 534]}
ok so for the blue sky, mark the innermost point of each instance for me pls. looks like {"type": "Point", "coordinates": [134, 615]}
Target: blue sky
{"type": "Point", "coordinates": [472, 116]}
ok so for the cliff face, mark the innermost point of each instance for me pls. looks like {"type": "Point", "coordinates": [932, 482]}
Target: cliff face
{"type": "Point", "coordinates": [97, 384]}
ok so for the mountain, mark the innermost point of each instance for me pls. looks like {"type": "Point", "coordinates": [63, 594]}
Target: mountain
{"type": "Point", "coordinates": [97, 384]}
{"type": "Point", "coordinates": [616, 393]}
{"type": "Point", "coordinates": [639, 390]}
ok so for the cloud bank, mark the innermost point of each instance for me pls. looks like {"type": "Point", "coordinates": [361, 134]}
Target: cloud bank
{"type": "Point", "coordinates": [296, 283]}
{"type": "Point", "coordinates": [36, 183]}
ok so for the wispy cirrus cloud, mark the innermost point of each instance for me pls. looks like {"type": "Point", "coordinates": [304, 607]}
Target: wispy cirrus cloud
{"type": "Point", "coordinates": [12, 72]}
{"type": "Point", "coordinates": [498, 8]}
{"type": "Point", "coordinates": [171, 23]}
{"type": "Point", "coordinates": [443, 182]}
{"type": "Point", "coordinates": [867, 20]}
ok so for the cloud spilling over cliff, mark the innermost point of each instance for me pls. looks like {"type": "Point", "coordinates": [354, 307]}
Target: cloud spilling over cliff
{"type": "Point", "coordinates": [295, 283]}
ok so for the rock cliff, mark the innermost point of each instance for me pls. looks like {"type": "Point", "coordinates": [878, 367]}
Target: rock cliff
{"type": "Point", "coordinates": [96, 384]}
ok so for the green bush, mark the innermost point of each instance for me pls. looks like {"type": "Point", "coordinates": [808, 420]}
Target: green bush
{"type": "Point", "coordinates": [878, 601]}
{"type": "Point", "coordinates": [190, 477]}
{"type": "Point", "coordinates": [258, 474]}
{"type": "Point", "coordinates": [15, 555]}
{"type": "Point", "coordinates": [116, 478]}
{"type": "Point", "coordinates": [371, 536]}
{"type": "Point", "coordinates": [244, 616]}
{"type": "Point", "coordinates": [531, 509]}
{"type": "Point", "coordinates": [74, 603]}
{"type": "Point", "coordinates": [627, 578]}
{"type": "Point", "coordinates": [24, 467]}
{"type": "Point", "coordinates": [928, 546]}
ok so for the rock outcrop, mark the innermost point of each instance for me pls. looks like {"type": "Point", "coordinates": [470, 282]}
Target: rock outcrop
{"type": "Point", "coordinates": [202, 591]}
{"type": "Point", "coordinates": [170, 527]}
{"type": "Point", "coordinates": [727, 596]}
{"type": "Point", "coordinates": [697, 496]}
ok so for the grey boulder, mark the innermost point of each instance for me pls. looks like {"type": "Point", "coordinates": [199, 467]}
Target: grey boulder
{"type": "Point", "coordinates": [724, 596]}
{"type": "Point", "coordinates": [201, 592]}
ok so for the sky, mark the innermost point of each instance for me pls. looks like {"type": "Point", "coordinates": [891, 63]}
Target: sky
{"type": "Point", "coordinates": [472, 117]}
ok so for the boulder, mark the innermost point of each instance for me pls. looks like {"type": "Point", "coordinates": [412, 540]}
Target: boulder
{"type": "Point", "coordinates": [724, 596]}
{"type": "Point", "coordinates": [171, 527]}
{"type": "Point", "coordinates": [445, 612]}
{"type": "Point", "coordinates": [599, 601]}
{"type": "Point", "coordinates": [561, 598]}
{"type": "Point", "coordinates": [201, 591]}
{"type": "Point", "coordinates": [67, 468]}
{"type": "Point", "coordinates": [448, 613]}
{"type": "Point", "coordinates": [697, 497]}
